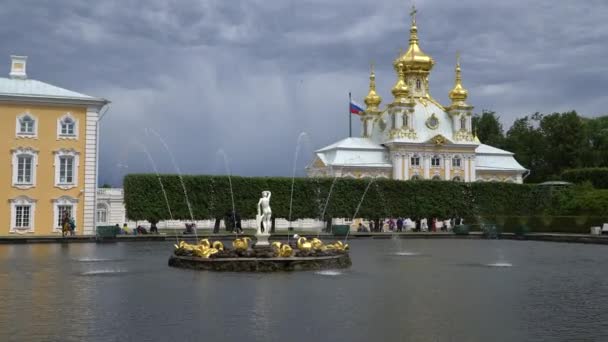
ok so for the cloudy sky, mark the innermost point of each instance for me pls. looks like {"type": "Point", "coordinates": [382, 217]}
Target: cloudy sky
{"type": "Point", "coordinates": [248, 76]}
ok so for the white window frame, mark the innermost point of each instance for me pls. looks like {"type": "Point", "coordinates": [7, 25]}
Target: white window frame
{"type": "Point", "coordinates": [64, 200]}
{"type": "Point", "coordinates": [15, 163]}
{"type": "Point", "coordinates": [75, 168]}
{"type": "Point", "coordinates": [463, 123]}
{"type": "Point", "coordinates": [417, 158]}
{"type": "Point", "coordinates": [22, 201]}
{"type": "Point", "coordinates": [61, 121]}
{"type": "Point", "coordinates": [460, 162]}
{"type": "Point", "coordinates": [102, 207]}
{"type": "Point", "coordinates": [438, 158]}
{"type": "Point", "coordinates": [19, 134]}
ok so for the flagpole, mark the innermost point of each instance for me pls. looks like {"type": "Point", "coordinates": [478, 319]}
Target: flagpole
{"type": "Point", "coordinates": [350, 119]}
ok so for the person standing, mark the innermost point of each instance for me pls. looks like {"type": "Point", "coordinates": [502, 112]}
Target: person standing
{"type": "Point", "coordinates": [400, 224]}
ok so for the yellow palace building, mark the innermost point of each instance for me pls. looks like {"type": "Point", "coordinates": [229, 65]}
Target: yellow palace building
{"type": "Point", "coordinates": [49, 155]}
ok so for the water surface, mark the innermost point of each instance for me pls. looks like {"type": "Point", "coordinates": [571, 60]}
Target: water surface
{"type": "Point", "coordinates": [397, 290]}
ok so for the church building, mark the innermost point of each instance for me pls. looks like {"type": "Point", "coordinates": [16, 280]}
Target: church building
{"type": "Point", "coordinates": [414, 136]}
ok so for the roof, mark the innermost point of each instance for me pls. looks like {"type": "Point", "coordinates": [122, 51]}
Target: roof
{"type": "Point", "coordinates": [487, 149]}
{"type": "Point", "coordinates": [29, 88]}
{"type": "Point", "coordinates": [353, 143]}
{"type": "Point", "coordinates": [354, 152]}
{"type": "Point", "coordinates": [487, 162]}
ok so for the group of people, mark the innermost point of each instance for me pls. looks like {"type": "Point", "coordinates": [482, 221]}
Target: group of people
{"type": "Point", "coordinates": [406, 224]}
{"type": "Point", "coordinates": [68, 225]}
{"type": "Point", "coordinates": [139, 230]}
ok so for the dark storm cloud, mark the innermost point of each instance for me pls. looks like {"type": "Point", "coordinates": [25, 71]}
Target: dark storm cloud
{"type": "Point", "coordinates": [249, 76]}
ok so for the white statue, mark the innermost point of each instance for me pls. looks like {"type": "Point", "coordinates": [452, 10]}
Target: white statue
{"type": "Point", "coordinates": [264, 214]}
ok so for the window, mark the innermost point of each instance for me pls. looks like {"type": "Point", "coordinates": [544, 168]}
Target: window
{"type": "Point", "coordinates": [22, 214]}
{"type": "Point", "coordinates": [394, 121]}
{"type": "Point", "coordinates": [67, 127]}
{"type": "Point", "coordinates": [406, 122]}
{"type": "Point", "coordinates": [435, 161]}
{"type": "Point", "coordinates": [415, 161]}
{"type": "Point", "coordinates": [24, 169]}
{"type": "Point", "coordinates": [63, 210]}
{"type": "Point", "coordinates": [418, 84]}
{"type": "Point", "coordinates": [102, 213]}
{"type": "Point", "coordinates": [456, 162]}
{"type": "Point", "coordinates": [61, 206]}
{"type": "Point", "coordinates": [463, 123]}
{"type": "Point", "coordinates": [25, 160]}
{"type": "Point", "coordinates": [66, 168]}
{"type": "Point", "coordinates": [26, 126]}
{"type": "Point", "coordinates": [457, 179]}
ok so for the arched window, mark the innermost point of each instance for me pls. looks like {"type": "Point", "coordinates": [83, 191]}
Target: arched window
{"type": "Point", "coordinates": [67, 127]}
{"type": "Point", "coordinates": [415, 177]}
{"type": "Point", "coordinates": [394, 121]}
{"type": "Point", "coordinates": [26, 126]}
{"type": "Point", "coordinates": [102, 213]}
{"type": "Point", "coordinates": [457, 179]}
{"type": "Point", "coordinates": [415, 160]}
{"type": "Point", "coordinates": [406, 121]}
{"type": "Point", "coordinates": [456, 162]}
{"type": "Point", "coordinates": [463, 123]}
{"type": "Point", "coordinates": [436, 161]}
{"type": "Point", "coordinates": [436, 177]}
{"type": "Point", "coordinates": [418, 84]}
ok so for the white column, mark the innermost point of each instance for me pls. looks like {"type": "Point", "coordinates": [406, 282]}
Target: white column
{"type": "Point", "coordinates": [427, 166]}
{"type": "Point", "coordinates": [473, 174]}
{"type": "Point", "coordinates": [397, 166]}
{"type": "Point", "coordinates": [90, 170]}
{"type": "Point", "coordinates": [406, 166]}
{"type": "Point", "coordinates": [448, 160]}
{"type": "Point", "coordinates": [465, 160]}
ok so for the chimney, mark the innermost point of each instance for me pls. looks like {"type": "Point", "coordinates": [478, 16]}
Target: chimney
{"type": "Point", "coordinates": [18, 64]}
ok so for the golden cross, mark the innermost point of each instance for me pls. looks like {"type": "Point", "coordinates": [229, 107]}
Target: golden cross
{"type": "Point", "coordinates": [458, 57]}
{"type": "Point", "coordinates": [372, 66]}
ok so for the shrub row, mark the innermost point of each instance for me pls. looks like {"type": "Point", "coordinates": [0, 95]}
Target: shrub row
{"type": "Point", "coordinates": [210, 197]}
{"type": "Point", "coordinates": [597, 176]}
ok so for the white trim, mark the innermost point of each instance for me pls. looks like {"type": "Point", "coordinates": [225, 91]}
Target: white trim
{"type": "Point", "coordinates": [15, 154]}
{"type": "Point", "coordinates": [22, 200]}
{"type": "Point", "coordinates": [18, 132]}
{"type": "Point", "coordinates": [90, 171]}
{"type": "Point", "coordinates": [75, 168]}
{"type": "Point", "coordinates": [64, 200]}
{"type": "Point", "coordinates": [60, 120]}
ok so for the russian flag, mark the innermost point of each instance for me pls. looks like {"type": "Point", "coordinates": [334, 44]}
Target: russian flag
{"type": "Point", "coordinates": [355, 108]}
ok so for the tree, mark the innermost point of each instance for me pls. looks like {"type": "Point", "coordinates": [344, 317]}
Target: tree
{"type": "Point", "coordinates": [489, 129]}
{"type": "Point", "coordinates": [528, 143]}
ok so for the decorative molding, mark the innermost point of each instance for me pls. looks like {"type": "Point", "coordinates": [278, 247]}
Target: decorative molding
{"type": "Point", "coordinates": [64, 200]}
{"type": "Point", "coordinates": [27, 201]}
{"type": "Point", "coordinates": [23, 135]}
{"type": "Point", "coordinates": [60, 121]}
{"type": "Point", "coordinates": [19, 151]}
{"type": "Point", "coordinates": [75, 167]}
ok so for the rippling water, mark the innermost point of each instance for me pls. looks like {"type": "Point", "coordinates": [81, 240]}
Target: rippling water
{"type": "Point", "coordinates": [452, 290]}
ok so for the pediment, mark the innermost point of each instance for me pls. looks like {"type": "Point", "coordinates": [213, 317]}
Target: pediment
{"type": "Point", "coordinates": [439, 140]}
{"type": "Point", "coordinates": [318, 163]}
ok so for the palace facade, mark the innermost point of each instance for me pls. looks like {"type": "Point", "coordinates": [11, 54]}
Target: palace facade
{"type": "Point", "coordinates": [414, 136]}
{"type": "Point", "coordinates": [49, 146]}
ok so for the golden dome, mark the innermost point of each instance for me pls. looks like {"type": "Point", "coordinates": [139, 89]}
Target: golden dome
{"type": "Point", "coordinates": [458, 93]}
{"type": "Point", "coordinates": [414, 58]}
{"type": "Point", "coordinates": [400, 90]}
{"type": "Point", "coordinates": [372, 100]}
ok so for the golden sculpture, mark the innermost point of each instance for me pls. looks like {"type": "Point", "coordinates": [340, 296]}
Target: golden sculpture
{"type": "Point", "coordinates": [304, 245]}
{"type": "Point", "coordinates": [241, 244]}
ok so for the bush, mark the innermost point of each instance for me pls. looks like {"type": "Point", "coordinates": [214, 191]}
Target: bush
{"type": "Point", "coordinates": [507, 205]}
{"type": "Point", "coordinates": [598, 176]}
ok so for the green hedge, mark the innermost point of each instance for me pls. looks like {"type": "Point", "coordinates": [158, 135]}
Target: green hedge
{"type": "Point", "coordinates": [597, 176]}
{"type": "Point", "coordinates": [210, 198]}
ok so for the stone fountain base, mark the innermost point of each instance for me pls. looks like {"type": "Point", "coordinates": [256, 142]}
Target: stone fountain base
{"type": "Point", "coordinates": [262, 264]}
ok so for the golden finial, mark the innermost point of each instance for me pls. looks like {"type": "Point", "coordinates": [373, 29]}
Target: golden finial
{"type": "Point", "coordinates": [372, 100]}
{"type": "Point", "coordinates": [400, 90]}
{"type": "Point", "coordinates": [414, 58]}
{"type": "Point", "coordinates": [413, 14]}
{"type": "Point", "coordinates": [458, 93]}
